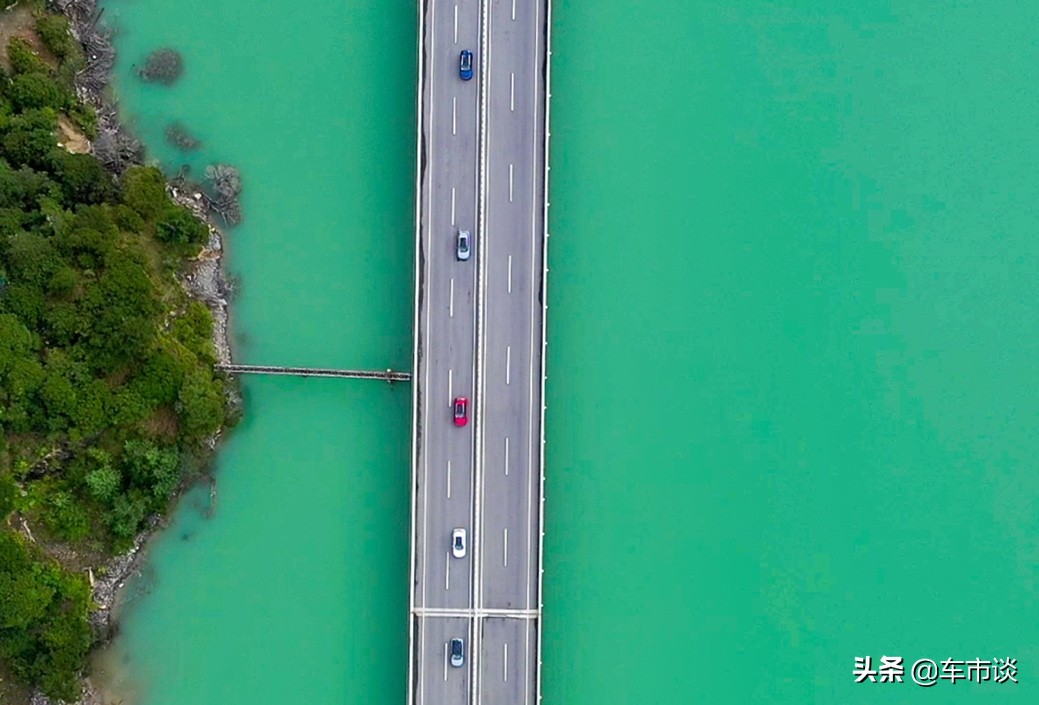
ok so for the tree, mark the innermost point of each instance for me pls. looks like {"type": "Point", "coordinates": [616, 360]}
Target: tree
{"type": "Point", "coordinates": [82, 178]}
{"type": "Point", "coordinates": [144, 190]}
{"type": "Point", "coordinates": [29, 91]}
{"type": "Point", "coordinates": [23, 59]}
{"type": "Point", "coordinates": [29, 138]}
{"type": "Point", "coordinates": [53, 31]}
{"type": "Point", "coordinates": [103, 483]}
{"type": "Point", "coordinates": [8, 492]}
{"type": "Point", "coordinates": [178, 226]}
{"type": "Point", "coordinates": [200, 405]}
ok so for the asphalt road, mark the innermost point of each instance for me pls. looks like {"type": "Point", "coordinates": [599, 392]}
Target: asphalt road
{"type": "Point", "coordinates": [479, 335]}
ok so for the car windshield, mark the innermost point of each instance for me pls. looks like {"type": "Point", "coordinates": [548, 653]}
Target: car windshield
{"type": "Point", "coordinates": [456, 647]}
{"type": "Point", "coordinates": [465, 60]}
{"type": "Point", "coordinates": [458, 540]}
{"type": "Point", "coordinates": [459, 408]}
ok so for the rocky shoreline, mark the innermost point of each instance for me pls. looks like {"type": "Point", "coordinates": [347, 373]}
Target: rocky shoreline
{"type": "Point", "coordinates": [205, 280]}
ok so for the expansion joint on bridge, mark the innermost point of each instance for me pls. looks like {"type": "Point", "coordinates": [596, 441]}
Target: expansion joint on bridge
{"type": "Point", "coordinates": [480, 613]}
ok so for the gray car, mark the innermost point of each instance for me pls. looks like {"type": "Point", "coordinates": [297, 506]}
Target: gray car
{"type": "Point", "coordinates": [457, 653]}
{"type": "Point", "coordinates": [463, 245]}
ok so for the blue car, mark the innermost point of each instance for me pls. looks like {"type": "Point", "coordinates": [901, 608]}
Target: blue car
{"type": "Point", "coordinates": [465, 64]}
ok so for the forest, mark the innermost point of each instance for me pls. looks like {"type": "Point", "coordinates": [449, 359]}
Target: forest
{"type": "Point", "coordinates": [107, 385]}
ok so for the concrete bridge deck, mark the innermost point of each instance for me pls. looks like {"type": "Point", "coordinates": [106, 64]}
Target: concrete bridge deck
{"type": "Point", "coordinates": [479, 334]}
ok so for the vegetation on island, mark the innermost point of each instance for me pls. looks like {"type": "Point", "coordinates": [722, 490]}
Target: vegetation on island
{"type": "Point", "coordinates": [107, 388]}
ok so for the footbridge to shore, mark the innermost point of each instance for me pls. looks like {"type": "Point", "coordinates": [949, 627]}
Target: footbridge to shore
{"type": "Point", "coordinates": [384, 375]}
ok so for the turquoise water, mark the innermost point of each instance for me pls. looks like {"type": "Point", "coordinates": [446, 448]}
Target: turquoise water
{"type": "Point", "coordinates": [791, 417]}
{"type": "Point", "coordinates": [296, 589]}
{"type": "Point", "coordinates": [791, 408]}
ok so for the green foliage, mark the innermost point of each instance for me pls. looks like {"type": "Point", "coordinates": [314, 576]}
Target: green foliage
{"type": "Point", "coordinates": [82, 178]}
{"type": "Point", "coordinates": [194, 330]}
{"type": "Point", "coordinates": [200, 405]}
{"type": "Point", "coordinates": [144, 190]}
{"type": "Point", "coordinates": [106, 373]}
{"type": "Point", "coordinates": [128, 511]}
{"type": "Point", "coordinates": [34, 90]}
{"type": "Point", "coordinates": [66, 517]}
{"type": "Point", "coordinates": [103, 483]}
{"type": "Point", "coordinates": [177, 226]}
{"type": "Point", "coordinates": [8, 492]}
{"type": "Point", "coordinates": [53, 31]}
{"type": "Point", "coordinates": [44, 633]}
{"type": "Point", "coordinates": [29, 138]}
{"type": "Point", "coordinates": [23, 59]}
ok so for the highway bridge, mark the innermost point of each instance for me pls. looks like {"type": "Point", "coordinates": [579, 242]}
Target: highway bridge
{"type": "Point", "coordinates": [479, 334]}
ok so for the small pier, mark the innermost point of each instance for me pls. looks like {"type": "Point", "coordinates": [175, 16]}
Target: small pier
{"type": "Point", "coordinates": [384, 375]}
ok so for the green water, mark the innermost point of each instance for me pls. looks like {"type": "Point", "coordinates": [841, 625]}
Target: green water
{"type": "Point", "coordinates": [792, 369]}
{"type": "Point", "coordinates": [793, 355]}
{"type": "Point", "coordinates": [296, 590]}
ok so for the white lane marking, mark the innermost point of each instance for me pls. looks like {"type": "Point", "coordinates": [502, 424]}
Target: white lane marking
{"type": "Point", "coordinates": [505, 548]}
{"type": "Point", "coordinates": [449, 479]}
{"type": "Point", "coordinates": [445, 662]}
{"type": "Point", "coordinates": [510, 182]}
{"type": "Point", "coordinates": [526, 663]}
{"type": "Point", "coordinates": [513, 10]}
{"type": "Point", "coordinates": [451, 299]}
{"type": "Point", "coordinates": [447, 572]}
{"type": "Point", "coordinates": [456, 23]}
{"type": "Point", "coordinates": [450, 386]}
{"type": "Point", "coordinates": [510, 274]}
{"type": "Point", "coordinates": [505, 662]}
{"type": "Point", "coordinates": [454, 115]}
{"type": "Point", "coordinates": [512, 92]}
{"type": "Point", "coordinates": [452, 205]}
{"type": "Point", "coordinates": [506, 455]}
{"type": "Point", "coordinates": [508, 363]}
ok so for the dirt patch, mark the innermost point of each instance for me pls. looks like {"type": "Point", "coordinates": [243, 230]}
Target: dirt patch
{"type": "Point", "coordinates": [19, 21]}
{"type": "Point", "coordinates": [72, 139]}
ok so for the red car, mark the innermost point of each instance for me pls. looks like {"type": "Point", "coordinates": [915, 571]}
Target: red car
{"type": "Point", "coordinates": [461, 410]}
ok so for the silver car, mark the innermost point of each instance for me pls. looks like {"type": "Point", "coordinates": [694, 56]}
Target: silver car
{"type": "Point", "coordinates": [463, 245]}
{"type": "Point", "coordinates": [457, 653]}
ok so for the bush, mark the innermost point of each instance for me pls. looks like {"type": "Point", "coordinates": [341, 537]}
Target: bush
{"type": "Point", "coordinates": [44, 633]}
{"type": "Point", "coordinates": [53, 31]}
{"type": "Point", "coordinates": [178, 226]}
{"type": "Point", "coordinates": [8, 492]}
{"type": "Point", "coordinates": [103, 483]}
{"type": "Point", "coordinates": [144, 190]}
{"type": "Point", "coordinates": [23, 59]}
{"type": "Point", "coordinates": [31, 91]}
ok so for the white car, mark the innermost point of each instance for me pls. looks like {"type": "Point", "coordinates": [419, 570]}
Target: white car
{"type": "Point", "coordinates": [458, 543]}
{"type": "Point", "coordinates": [463, 245]}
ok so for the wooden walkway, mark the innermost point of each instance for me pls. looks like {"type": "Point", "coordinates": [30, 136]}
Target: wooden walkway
{"type": "Point", "coordinates": [385, 375]}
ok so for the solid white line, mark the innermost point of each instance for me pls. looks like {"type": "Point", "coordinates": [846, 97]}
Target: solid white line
{"type": "Point", "coordinates": [505, 549]}
{"type": "Point", "coordinates": [510, 182]}
{"type": "Point", "coordinates": [452, 205]}
{"type": "Point", "coordinates": [510, 274]}
{"type": "Point", "coordinates": [449, 479]}
{"type": "Point", "coordinates": [512, 92]}
{"type": "Point", "coordinates": [505, 662]}
{"type": "Point", "coordinates": [456, 23]}
{"type": "Point", "coordinates": [513, 10]}
{"type": "Point", "coordinates": [506, 455]}
{"type": "Point", "coordinates": [445, 662]}
{"type": "Point", "coordinates": [508, 363]}
{"type": "Point", "coordinates": [450, 386]}
{"type": "Point", "coordinates": [447, 573]}
{"type": "Point", "coordinates": [454, 115]}
{"type": "Point", "coordinates": [451, 299]}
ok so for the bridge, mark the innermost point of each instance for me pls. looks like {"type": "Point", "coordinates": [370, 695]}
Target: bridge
{"type": "Point", "coordinates": [479, 334]}
{"type": "Point", "coordinates": [385, 375]}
